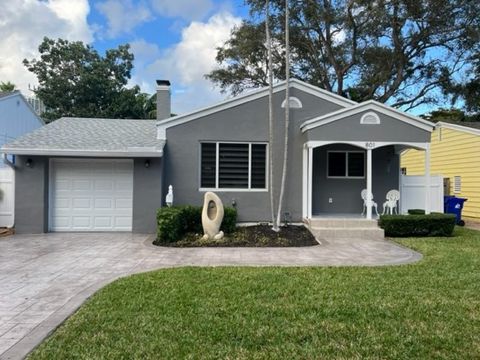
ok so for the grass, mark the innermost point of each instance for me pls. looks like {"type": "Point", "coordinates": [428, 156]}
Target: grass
{"type": "Point", "coordinates": [427, 310]}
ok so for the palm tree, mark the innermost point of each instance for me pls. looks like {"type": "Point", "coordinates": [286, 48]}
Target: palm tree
{"type": "Point", "coordinates": [7, 86]}
{"type": "Point", "coordinates": [287, 115]}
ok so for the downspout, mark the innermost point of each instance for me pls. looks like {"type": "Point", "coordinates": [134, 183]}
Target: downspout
{"type": "Point", "coordinates": [7, 161]}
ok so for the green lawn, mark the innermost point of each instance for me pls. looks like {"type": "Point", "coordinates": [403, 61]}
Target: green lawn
{"type": "Point", "coordinates": [426, 310]}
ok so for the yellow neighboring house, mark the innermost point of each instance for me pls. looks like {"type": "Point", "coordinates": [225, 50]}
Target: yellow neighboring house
{"type": "Point", "coordinates": [455, 154]}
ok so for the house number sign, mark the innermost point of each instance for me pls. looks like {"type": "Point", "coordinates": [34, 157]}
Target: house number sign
{"type": "Point", "coordinates": [370, 145]}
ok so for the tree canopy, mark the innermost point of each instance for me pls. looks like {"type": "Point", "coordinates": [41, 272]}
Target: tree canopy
{"type": "Point", "coordinates": [395, 51]}
{"type": "Point", "coordinates": [75, 80]}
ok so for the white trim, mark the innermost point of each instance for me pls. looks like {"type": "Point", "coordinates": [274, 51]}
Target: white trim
{"type": "Point", "coordinates": [365, 106]}
{"type": "Point", "coordinates": [295, 103]}
{"type": "Point", "coordinates": [83, 153]}
{"type": "Point", "coordinates": [250, 96]}
{"type": "Point", "coordinates": [369, 184]}
{"type": "Point", "coordinates": [368, 144]}
{"type": "Point", "coordinates": [346, 152]}
{"type": "Point", "coordinates": [440, 125]}
{"type": "Point", "coordinates": [217, 163]}
{"type": "Point", "coordinates": [363, 119]}
{"type": "Point", "coordinates": [304, 182]}
{"type": "Point", "coordinates": [310, 182]}
{"type": "Point", "coordinates": [427, 180]}
{"type": "Point", "coordinates": [231, 190]}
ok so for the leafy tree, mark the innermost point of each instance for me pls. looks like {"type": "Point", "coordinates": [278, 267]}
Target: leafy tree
{"type": "Point", "coordinates": [450, 115]}
{"type": "Point", "coordinates": [468, 91]}
{"type": "Point", "coordinates": [75, 80]}
{"type": "Point", "coordinates": [396, 51]}
{"type": "Point", "coordinates": [7, 86]}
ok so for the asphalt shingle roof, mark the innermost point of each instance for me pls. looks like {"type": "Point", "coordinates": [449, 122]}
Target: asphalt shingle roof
{"type": "Point", "coordinates": [90, 134]}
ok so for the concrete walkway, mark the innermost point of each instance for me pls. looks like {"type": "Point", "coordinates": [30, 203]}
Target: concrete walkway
{"type": "Point", "coordinates": [45, 278]}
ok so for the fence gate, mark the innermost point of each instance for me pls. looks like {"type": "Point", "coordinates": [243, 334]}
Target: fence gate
{"type": "Point", "coordinates": [7, 196]}
{"type": "Point", "coordinates": [412, 193]}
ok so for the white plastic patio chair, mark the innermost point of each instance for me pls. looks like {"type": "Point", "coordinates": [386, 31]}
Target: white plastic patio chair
{"type": "Point", "coordinates": [390, 206]}
{"type": "Point", "coordinates": [364, 198]}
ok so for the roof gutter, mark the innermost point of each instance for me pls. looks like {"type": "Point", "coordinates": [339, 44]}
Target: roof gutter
{"type": "Point", "coordinates": [84, 153]}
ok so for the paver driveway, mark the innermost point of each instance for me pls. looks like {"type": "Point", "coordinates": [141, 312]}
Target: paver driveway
{"type": "Point", "coordinates": [44, 278]}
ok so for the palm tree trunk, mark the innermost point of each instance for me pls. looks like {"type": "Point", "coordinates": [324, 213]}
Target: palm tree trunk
{"type": "Point", "coordinates": [287, 115]}
{"type": "Point", "coordinates": [270, 113]}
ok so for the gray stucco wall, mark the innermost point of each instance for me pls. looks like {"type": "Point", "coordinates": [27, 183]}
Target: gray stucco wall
{"type": "Point", "coordinates": [147, 194]}
{"type": "Point", "coordinates": [246, 122]}
{"type": "Point", "coordinates": [350, 129]}
{"type": "Point", "coordinates": [345, 193]}
{"type": "Point", "coordinates": [31, 195]}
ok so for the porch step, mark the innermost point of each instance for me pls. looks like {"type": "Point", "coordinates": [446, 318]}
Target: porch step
{"type": "Point", "coordinates": [348, 233]}
{"type": "Point", "coordinates": [334, 229]}
{"type": "Point", "coordinates": [342, 223]}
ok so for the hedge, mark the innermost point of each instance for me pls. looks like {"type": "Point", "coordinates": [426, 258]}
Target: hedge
{"type": "Point", "coordinates": [418, 225]}
{"type": "Point", "coordinates": [174, 222]}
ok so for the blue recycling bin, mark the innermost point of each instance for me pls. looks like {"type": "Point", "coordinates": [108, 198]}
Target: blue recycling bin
{"type": "Point", "coordinates": [454, 205]}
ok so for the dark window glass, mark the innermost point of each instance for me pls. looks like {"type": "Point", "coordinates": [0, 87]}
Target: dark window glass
{"type": "Point", "coordinates": [259, 166]}
{"type": "Point", "coordinates": [356, 164]}
{"type": "Point", "coordinates": [208, 165]}
{"type": "Point", "coordinates": [337, 164]}
{"type": "Point", "coordinates": [233, 166]}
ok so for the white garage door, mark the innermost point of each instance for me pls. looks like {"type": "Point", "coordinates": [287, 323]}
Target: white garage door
{"type": "Point", "coordinates": [91, 195]}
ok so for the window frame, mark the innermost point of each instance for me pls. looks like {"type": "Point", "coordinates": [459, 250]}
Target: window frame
{"type": "Point", "coordinates": [346, 152]}
{"type": "Point", "coordinates": [217, 163]}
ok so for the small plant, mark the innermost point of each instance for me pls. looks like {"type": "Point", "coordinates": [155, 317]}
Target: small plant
{"type": "Point", "coordinates": [176, 221]}
{"type": "Point", "coordinates": [418, 225]}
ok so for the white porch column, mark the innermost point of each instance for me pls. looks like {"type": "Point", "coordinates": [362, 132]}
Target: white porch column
{"type": "Point", "coordinates": [369, 184]}
{"type": "Point", "coordinates": [427, 179]}
{"type": "Point", "coordinates": [305, 182]}
{"type": "Point", "coordinates": [310, 180]}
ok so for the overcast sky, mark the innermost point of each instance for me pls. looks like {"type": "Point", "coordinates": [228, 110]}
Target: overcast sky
{"type": "Point", "coordinates": [171, 39]}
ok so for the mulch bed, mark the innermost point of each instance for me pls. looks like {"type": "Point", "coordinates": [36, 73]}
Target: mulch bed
{"type": "Point", "coordinates": [252, 236]}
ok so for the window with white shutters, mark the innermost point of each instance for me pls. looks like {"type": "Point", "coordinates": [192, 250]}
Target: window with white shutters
{"type": "Point", "coordinates": [231, 165]}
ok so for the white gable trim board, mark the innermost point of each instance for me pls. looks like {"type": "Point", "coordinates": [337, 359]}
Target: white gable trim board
{"type": "Point", "coordinates": [466, 129]}
{"type": "Point", "coordinates": [90, 195]}
{"type": "Point", "coordinates": [366, 106]}
{"type": "Point", "coordinates": [163, 125]}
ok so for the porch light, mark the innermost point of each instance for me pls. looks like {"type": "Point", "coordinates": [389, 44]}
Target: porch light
{"type": "Point", "coordinates": [147, 163]}
{"type": "Point", "coordinates": [29, 163]}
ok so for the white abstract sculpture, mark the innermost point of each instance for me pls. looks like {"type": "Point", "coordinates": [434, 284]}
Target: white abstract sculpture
{"type": "Point", "coordinates": [169, 197]}
{"type": "Point", "coordinates": [390, 206]}
{"type": "Point", "coordinates": [364, 198]}
{"type": "Point", "coordinates": [212, 216]}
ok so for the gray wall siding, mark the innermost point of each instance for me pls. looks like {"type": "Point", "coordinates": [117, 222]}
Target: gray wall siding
{"type": "Point", "coordinates": [147, 195]}
{"type": "Point", "coordinates": [31, 195]}
{"type": "Point", "coordinates": [350, 129]}
{"type": "Point", "coordinates": [247, 122]}
{"type": "Point", "coordinates": [345, 193]}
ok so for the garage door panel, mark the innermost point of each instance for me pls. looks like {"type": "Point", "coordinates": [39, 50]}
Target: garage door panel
{"type": "Point", "coordinates": [91, 195]}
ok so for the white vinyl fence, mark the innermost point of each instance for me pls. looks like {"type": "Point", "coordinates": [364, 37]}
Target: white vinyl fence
{"type": "Point", "coordinates": [412, 193]}
{"type": "Point", "coordinates": [7, 196]}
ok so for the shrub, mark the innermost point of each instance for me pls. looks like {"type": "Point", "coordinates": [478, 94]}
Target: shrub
{"type": "Point", "coordinates": [416, 212]}
{"type": "Point", "coordinates": [174, 222]}
{"type": "Point", "coordinates": [229, 222]}
{"type": "Point", "coordinates": [418, 225]}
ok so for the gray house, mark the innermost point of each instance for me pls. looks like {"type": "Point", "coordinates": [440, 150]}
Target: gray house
{"type": "Point", "coordinates": [112, 175]}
